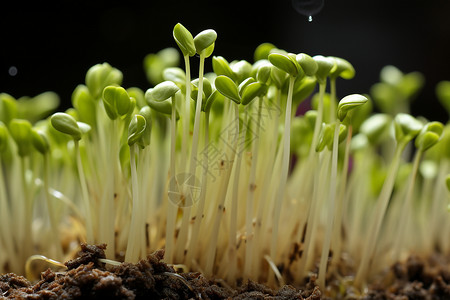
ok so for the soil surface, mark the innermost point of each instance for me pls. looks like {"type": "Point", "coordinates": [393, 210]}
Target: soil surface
{"type": "Point", "coordinates": [87, 278]}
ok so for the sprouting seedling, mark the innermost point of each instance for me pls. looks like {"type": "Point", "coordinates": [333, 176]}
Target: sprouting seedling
{"type": "Point", "coordinates": [42, 145]}
{"type": "Point", "coordinates": [214, 96]}
{"type": "Point", "coordinates": [136, 130]}
{"type": "Point", "coordinates": [100, 76]}
{"type": "Point", "coordinates": [346, 105]}
{"type": "Point", "coordinates": [228, 88]}
{"type": "Point", "coordinates": [443, 94]}
{"type": "Point", "coordinates": [119, 107]}
{"type": "Point", "coordinates": [156, 63]}
{"type": "Point", "coordinates": [185, 42]}
{"type": "Point", "coordinates": [288, 63]}
{"type": "Point", "coordinates": [65, 123]}
{"type": "Point", "coordinates": [430, 135]}
{"type": "Point", "coordinates": [160, 93]}
{"type": "Point", "coordinates": [396, 89]}
{"type": "Point", "coordinates": [406, 128]}
{"type": "Point", "coordinates": [344, 69]}
{"type": "Point", "coordinates": [5, 204]}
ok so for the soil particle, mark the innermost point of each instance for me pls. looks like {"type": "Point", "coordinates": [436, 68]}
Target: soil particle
{"type": "Point", "coordinates": [88, 278]}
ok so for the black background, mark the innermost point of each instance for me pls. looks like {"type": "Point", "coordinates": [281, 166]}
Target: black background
{"type": "Point", "coordinates": [52, 46]}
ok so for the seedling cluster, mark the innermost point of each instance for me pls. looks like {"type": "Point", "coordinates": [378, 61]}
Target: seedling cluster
{"type": "Point", "coordinates": [224, 172]}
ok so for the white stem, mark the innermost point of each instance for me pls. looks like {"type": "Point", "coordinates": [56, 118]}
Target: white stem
{"type": "Point", "coordinates": [380, 210]}
{"type": "Point", "coordinates": [330, 213]}
{"type": "Point", "coordinates": [133, 247]}
{"type": "Point", "coordinates": [85, 195]}
{"type": "Point", "coordinates": [183, 234]}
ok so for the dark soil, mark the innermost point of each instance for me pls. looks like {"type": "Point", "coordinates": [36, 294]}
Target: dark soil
{"type": "Point", "coordinates": [87, 278]}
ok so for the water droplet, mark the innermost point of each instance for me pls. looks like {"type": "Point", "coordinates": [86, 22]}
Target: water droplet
{"type": "Point", "coordinates": [308, 8]}
{"type": "Point", "coordinates": [12, 71]}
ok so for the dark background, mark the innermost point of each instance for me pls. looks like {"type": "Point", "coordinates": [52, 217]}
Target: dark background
{"type": "Point", "coordinates": [52, 47]}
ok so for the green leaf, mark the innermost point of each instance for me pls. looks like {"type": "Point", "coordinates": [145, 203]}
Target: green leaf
{"type": "Point", "coordinates": [3, 137]}
{"type": "Point", "coordinates": [138, 95]}
{"type": "Point", "coordinates": [244, 84]}
{"type": "Point", "coordinates": [253, 90]}
{"type": "Point", "coordinates": [429, 135]}
{"type": "Point", "coordinates": [164, 90]}
{"type": "Point", "coordinates": [184, 40]}
{"type": "Point", "coordinates": [8, 108]}
{"type": "Point", "coordinates": [406, 127]}
{"type": "Point", "coordinates": [278, 77]}
{"type": "Point", "coordinates": [263, 73]}
{"type": "Point", "coordinates": [177, 76]}
{"type": "Point", "coordinates": [65, 123]}
{"type": "Point", "coordinates": [146, 136]}
{"type": "Point", "coordinates": [40, 141]}
{"type": "Point", "coordinates": [375, 127]}
{"type": "Point", "coordinates": [303, 89]}
{"type": "Point", "coordinates": [215, 96]}
{"type": "Point", "coordinates": [164, 107]}
{"type": "Point", "coordinates": [242, 70]}
{"type": "Point", "coordinates": [349, 103]}
{"type": "Point", "coordinates": [307, 63]}
{"type": "Point", "coordinates": [443, 94]}
{"type": "Point", "coordinates": [284, 62]}
{"type": "Point", "coordinates": [117, 98]}
{"type": "Point", "coordinates": [136, 129]}
{"type": "Point", "coordinates": [204, 39]}
{"type": "Point", "coordinates": [324, 68]}
{"type": "Point", "coordinates": [207, 87]}
{"type": "Point", "coordinates": [263, 51]}
{"type": "Point", "coordinates": [38, 107]}
{"type": "Point", "coordinates": [100, 76]}
{"type": "Point", "coordinates": [325, 137]}
{"type": "Point", "coordinates": [156, 63]}
{"type": "Point", "coordinates": [226, 86]}
{"type": "Point", "coordinates": [20, 131]}
{"type": "Point", "coordinates": [341, 68]}
{"type": "Point", "coordinates": [221, 67]}
{"type": "Point", "coordinates": [86, 106]}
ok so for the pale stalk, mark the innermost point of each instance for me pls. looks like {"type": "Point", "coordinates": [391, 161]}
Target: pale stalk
{"type": "Point", "coordinates": [171, 209]}
{"type": "Point", "coordinates": [380, 210]}
{"type": "Point", "coordinates": [133, 247]}
{"type": "Point", "coordinates": [210, 255]}
{"type": "Point", "coordinates": [5, 213]}
{"type": "Point", "coordinates": [406, 208]}
{"type": "Point", "coordinates": [338, 224]}
{"type": "Point", "coordinates": [191, 251]}
{"type": "Point", "coordinates": [182, 236]}
{"type": "Point", "coordinates": [51, 211]}
{"type": "Point", "coordinates": [85, 196]}
{"type": "Point", "coordinates": [284, 171]}
{"type": "Point", "coordinates": [250, 197]}
{"type": "Point", "coordinates": [330, 214]}
{"type": "Point", "coordinates": [264, 196]}
{"type": "Point", "coordinates": [187, 112]}
{"type": "Point", "coordinates": [234, 213]}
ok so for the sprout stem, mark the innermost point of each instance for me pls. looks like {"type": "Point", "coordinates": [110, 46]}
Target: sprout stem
{"type": "Point", "coordinates": [132, 254]}
{"type": "Point", "coordinates": [182, 237]}
{"type": "Point", "coordinates": [284, 171]}
{"type": "Point", "coordinates": [331, 204]}
{"type": "Point", "coordinates": [51, 210]}
{"type": "Point", "coordinates": [187, 111]}
{"type": "Point", "coordinates": [251, 195]}
{"type": "Point", "coordinates": [85, 195]}
{"type": "Point", "coordinates": [380, 210]}
{"type": "Point", "coordinates": [171, 209]}
{"type": "Point", "coordinates": [406, 207]}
